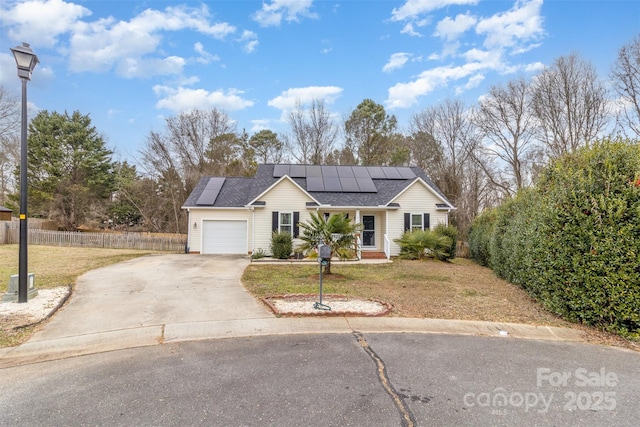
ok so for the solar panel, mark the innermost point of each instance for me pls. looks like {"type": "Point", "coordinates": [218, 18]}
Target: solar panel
{"type": "Point", "coordinates": [329, 171]}
{"type": "Point", "coordinates": [280, 171]}
{"type": "Point", "coordinates": [298, 171]}
{"type": "Point", "coordinates": [360, 172]}
{"type": "Point", "coordinates": [366, 185]}
{"type": "Point", "coordinates": [314, 183]}
{"type": "Point", "coordinates": [406, 173]}
{"type": "Point", "coordinates": [391, 172]}
{"type": "Point", "coordinates": [349, 185]}
{"type": "Point", "coordinates": [331, 184]}
{"type": "Point", "coordinates": [314, 171]}
{"type": "Point", "coordinates": [210, 192]}
{"type": "Point", "coordinates": [376, 172]}
{"type": "Point", "coordinates": [345, 171]}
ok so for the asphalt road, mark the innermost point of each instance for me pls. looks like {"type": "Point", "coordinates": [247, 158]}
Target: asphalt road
{"type": "Point", "coordinates": [331, 380]}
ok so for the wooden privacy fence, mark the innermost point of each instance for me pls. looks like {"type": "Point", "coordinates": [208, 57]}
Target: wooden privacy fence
{"type": "Point", "coordinates": [140, 241]}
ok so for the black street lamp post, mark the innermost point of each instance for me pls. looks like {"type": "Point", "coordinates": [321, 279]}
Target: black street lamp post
{"type": "Point", "coordinates": [26, 61]}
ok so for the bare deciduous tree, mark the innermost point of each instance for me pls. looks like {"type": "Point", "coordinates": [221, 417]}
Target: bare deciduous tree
{"type": "Point", "coordinates": [192, 145]}
{"type": "Point", "coordinates": [570, 104]}
{"type": "Point", "coordinates": [9, 141]}
{"type": "Point", "coordinates": [625, 75]}
{"type": "Point", "coordinates": [313, 133]}
{"type": "Point", "coordinates": [452, 139]}
{"type": "Point", "coordinates": [507, 128]}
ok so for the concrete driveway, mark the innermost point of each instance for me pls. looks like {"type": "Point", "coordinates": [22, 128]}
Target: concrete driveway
{"type": "Point", "coordinates": [162, 299]}
{"type": "Point", "coordinates": [156, 290]}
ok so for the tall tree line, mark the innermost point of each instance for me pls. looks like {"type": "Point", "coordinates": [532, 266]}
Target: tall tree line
{"type": "Point", "coordinates": [477, 155]}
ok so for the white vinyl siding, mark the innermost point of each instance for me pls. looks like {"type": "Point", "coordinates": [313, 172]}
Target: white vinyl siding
{"type": "Point", "coordinates": [284, 197]}
{"type": "Point", "coordinates": [417, 199]}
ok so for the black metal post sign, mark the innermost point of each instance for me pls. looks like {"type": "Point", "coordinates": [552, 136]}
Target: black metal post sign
{"type": "Point", "coordinates": [324, 255]}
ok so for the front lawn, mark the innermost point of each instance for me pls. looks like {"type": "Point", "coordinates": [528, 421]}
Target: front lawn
{"type": "Point", "coordinates": [459, 289]}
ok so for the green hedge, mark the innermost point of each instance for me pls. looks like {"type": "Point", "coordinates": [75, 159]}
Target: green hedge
{"type": "Point", "coordinates": [573, 241]}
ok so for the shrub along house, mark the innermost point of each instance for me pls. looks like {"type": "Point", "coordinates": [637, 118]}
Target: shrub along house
{"type": "Point", "coordinates": [236, 215]}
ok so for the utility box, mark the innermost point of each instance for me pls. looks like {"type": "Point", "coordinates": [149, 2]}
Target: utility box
{"type": "Point", "coordinates": [14, 287]}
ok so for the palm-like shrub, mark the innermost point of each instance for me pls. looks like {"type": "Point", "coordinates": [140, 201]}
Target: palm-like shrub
{"type": "Point", "coordinates": [421, 244]}
{"type": "Point", "coordinates": [337, 232]}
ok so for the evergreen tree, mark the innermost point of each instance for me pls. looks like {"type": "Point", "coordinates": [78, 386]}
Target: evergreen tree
{"type": "Point", "coordinates": [71, 174]}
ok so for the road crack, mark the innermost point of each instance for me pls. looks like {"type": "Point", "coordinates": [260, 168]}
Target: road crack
{"type": "Point", "coordinates": [407, 417]}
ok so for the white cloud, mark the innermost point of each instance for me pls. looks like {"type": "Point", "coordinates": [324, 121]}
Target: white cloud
{"type": "Point", "coordinates": [184, 99]}
{"type": "Point", "coordinates": [259, 124]}
{"type": "Point", "coordinates": [450, 29]}
{"type": "Point", "coordinates": [396, 61]}
{"type": "Point", "coordinates": [287, 100]}
{"type": "Point", "coordinates": [205, 57]}
{"type": "Point", "coordinates": [414, 8]}
{"type": "Point", "coordinates": [408, 29]}
{"type": "Point", "coordinates": [144, 68]}
{"type": "Point", "coordinates": [272, 14]}
{"type": "Point", "coordinates": [404, 95]}
{"type": "Point", "coordinates": [40, 22]}
{"type": "Point", "coordinates": [473, 82]}
{"type": "Point", "coordinates": [534, 67]}
{"type": "Point", "coordinates": [250, 39]}
{"type": "Point", "coordinates": [105, 44]}
{"type": "Point", "coordinates": [99, 45]}
{"type": "Point", "coordinates": [521, 24]}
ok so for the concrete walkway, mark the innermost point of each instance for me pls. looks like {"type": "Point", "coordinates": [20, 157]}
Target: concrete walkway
{"type": "Point", "coordinates": [174, 298]}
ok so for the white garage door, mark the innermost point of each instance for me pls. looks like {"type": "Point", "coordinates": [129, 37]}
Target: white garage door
{"type": "Point", "coordinates": [224, 237]}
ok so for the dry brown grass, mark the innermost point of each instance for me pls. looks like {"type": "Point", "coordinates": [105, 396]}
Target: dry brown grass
{"type": "Point", "coordinates": [457, 290]}
{"type": "Point", "coordinates": [460, 290]}
{"type": "Point", "coordinates": [59, 266]}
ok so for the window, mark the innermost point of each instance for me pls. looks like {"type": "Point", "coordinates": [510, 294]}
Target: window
{"type": "Point", "coordinates": [286, 222]}
{"type": "Point", "coordinates": [413, 222]}
{"type": "Point", "coordinates": [416, 222]}
{"type": "Point", "coordinates": [285, 225]}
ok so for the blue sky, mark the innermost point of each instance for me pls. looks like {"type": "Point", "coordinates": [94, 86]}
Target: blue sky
{"type": "Point", "coordinates": [129, 64]}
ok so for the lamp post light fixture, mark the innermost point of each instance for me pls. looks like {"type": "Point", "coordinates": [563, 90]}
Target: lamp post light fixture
{"type": "Point", "coordinates": [26, 61]}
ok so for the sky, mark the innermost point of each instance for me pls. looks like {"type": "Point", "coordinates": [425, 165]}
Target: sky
{"type": "Point", "coordinates": [131, 64]}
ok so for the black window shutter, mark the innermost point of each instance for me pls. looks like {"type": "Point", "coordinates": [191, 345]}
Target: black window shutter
{"type": "Point", "coordinates": [425, 223]}
{"type": "Point", "coordinates": [407, 221]}
{"type": "Point", "coordinates": [296, 220]}
{"type": "Point", "coordinates": [274, 221]}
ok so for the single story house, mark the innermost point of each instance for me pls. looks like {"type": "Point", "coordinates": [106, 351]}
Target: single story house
{"type": "Point", "coordinates": [237, 215]}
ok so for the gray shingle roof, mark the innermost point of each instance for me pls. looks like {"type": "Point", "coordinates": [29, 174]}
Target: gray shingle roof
{"type": "Point", "coordinates": [239, 192]}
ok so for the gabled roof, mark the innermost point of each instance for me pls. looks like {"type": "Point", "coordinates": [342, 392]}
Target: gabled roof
{"type": "Point", "coordinates": [350, 186]}
{"type": "Point", "coordinates": [3, 209]}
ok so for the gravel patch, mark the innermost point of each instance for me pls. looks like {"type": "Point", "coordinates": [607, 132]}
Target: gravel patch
{"type": "Point", "coordinates": [304, 305]}
{"type": "Point", "coordinates": [36, 309]}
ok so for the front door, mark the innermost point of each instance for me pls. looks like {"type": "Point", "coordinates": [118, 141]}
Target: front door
{"type": "Point", "coordinates": [368, 231]}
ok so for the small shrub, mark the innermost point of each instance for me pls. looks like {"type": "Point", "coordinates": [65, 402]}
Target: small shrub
{"type": "Point", "coordinates": [281, 245]}
{"type": "Point", "coordinates": [258, 254]}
